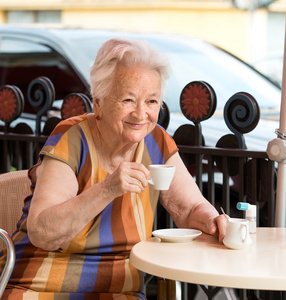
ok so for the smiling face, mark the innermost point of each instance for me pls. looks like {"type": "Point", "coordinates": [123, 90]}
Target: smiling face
{"type": "Point", "coordinates": [131, 109]}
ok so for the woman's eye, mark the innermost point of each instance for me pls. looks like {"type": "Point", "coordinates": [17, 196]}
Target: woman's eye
{"type": "Point", "coordinates": [153, 101]}
{"type": "Point", "coordinates": [128, 100]}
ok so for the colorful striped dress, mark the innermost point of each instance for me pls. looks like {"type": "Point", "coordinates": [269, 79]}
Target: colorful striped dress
{"type": "Point", "coordinates": [95, 264]}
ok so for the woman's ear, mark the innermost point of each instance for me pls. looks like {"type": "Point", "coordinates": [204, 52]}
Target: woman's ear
{"type": "Point", "coordinates": [96, 106]}
{"type": "Point", "coordinates": [97, 109]}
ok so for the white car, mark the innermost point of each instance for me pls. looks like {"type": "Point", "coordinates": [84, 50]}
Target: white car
{"type": "Point", "coordinates": [66, 55]}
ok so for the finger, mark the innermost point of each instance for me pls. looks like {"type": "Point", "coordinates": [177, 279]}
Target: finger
{"type": "Point", "coordinates": [130, 179]}
{"type": "Point", "coordinates": [134, 182]}
{"type": "Point", "coordinates": [139, 173]}
{"type": "Point", "coordinates": [140, 167]}
{"type": "Point", "coordinates": [221, 225]}
{"type": "Point", "coordinates": [217, 227]}
{"type": "Point", "coordinates": [212, 226]}
{"type": "Point", "coordinates": [120, 184]}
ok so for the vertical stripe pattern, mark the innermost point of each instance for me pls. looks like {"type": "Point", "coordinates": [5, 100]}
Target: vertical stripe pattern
{"type": "Point", "coordinates": [95, 264]}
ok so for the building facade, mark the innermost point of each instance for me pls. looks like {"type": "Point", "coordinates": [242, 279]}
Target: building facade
{"type": "Point", "coordinates": [250, 34]}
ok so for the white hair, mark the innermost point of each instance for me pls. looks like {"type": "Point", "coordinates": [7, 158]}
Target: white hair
{"type": "Point", "coordinates": [129, 53]}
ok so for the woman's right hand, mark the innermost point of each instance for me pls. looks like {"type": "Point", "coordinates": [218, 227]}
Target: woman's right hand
{"type": "Point", "coordinates": [55, 218]}
{"type": "Point", "coordinates": [128, 177]}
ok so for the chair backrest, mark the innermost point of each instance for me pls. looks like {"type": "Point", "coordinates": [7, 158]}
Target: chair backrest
{"type": "Point", "coordinates": [14, 187]}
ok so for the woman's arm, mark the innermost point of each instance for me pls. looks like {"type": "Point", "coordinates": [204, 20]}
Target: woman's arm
{"type": "Point", "coordinates": [186, 204]}
{"type": "Point", "coordinates": [57, 214]}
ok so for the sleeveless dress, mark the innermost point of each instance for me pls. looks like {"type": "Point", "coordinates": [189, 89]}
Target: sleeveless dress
{"type": "Point", "coordinates": [95, 264]}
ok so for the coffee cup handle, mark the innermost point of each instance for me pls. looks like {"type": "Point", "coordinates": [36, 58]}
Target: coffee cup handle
{"type": "Point", "coordinates": [243, 231]}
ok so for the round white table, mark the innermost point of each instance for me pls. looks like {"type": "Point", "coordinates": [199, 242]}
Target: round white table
{"type": "Point", "coordinates": [205, 261]}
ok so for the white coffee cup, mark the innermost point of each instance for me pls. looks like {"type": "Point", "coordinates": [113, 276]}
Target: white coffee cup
{"type": "Point", "coordinates": [237, 234]}
{"type": "Point", "coordinates": [161, 176]}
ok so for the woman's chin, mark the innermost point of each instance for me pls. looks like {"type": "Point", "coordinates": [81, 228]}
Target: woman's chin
{"type": "Point", "coordinates": [135, 138]}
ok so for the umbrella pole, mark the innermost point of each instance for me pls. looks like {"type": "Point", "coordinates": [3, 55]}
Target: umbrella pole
{"type": "Point", "coordinates": [280, 196]}
{"type": "Point", "coordinates": [276, 151]}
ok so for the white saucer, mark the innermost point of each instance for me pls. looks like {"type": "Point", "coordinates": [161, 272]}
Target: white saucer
{"type": "Point", "coordinates": [176, 235]}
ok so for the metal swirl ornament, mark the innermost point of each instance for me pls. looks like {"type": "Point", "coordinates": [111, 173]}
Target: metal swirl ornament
{"type": "Point", "coordinates": [41, 92]}
{"type": "Point", "coordinates": [41, 95]}
{"type": "Point", "coordinates": [241, 114]}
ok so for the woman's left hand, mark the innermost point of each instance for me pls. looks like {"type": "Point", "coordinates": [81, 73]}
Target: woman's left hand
{"type": "Point", "coordinates": [217, 227]}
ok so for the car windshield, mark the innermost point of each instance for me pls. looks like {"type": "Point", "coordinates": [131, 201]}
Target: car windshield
{"type": "Point", "coordinates": [191, 60]}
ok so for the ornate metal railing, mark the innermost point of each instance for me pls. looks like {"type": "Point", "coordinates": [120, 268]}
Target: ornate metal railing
{"type": "Point", "coordinates": [22, 138]}
{"type": "Point", "coordinates": [21, 143]}
{"type": "Point", "coordinates": [245, 175]}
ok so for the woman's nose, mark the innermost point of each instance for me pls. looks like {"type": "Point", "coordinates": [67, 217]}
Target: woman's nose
{"type": "Point", "coordinates": [140, 111]}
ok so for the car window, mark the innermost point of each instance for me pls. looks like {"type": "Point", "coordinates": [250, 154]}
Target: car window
{"type": "Point", "coordinates": [226, 78]}
{"type": "Point", "coordinates": [225, 73]}
{"type": "Point", "coordinates": [192, 60]}
{"type": "Point", "coordinates": [21, 61]}
{"type": "Point", "coordinates": [9, 45]}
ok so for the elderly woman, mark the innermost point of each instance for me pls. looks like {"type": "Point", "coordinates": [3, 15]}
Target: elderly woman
{"type": "Point", "coordinates": [91, 200]}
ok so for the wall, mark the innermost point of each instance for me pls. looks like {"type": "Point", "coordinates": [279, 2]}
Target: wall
{"type": "Point", "coordinates": [226, 28]}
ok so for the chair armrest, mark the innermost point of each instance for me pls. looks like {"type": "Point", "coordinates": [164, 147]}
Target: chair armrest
{"type": "Point", "coordinates": [10, 260]}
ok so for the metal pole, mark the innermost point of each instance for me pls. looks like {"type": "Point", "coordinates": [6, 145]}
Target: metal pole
{"type": "Point", "coordinates": [281, 186]}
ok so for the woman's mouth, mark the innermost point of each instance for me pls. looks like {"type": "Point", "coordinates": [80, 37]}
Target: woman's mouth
{"type": "Point", "coordinates": [136, 125]}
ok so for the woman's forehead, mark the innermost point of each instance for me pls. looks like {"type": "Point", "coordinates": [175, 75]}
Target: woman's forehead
{"type": "Point", "coordinates": [138, 73]}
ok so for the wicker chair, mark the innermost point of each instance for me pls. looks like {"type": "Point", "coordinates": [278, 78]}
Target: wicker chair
{"type": "Point", "coordinates": [14, 187]}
